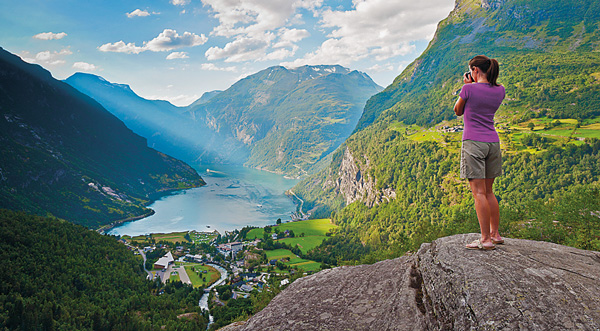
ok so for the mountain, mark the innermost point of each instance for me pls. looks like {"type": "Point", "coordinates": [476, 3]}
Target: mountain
{"type": "Point", "coordinates": [63, 154]}
{"type": "Point", "coordinates": [523, 285]}
{"type": "Point", "coordinates": [395, 182]}
{"type": "Point", "coordinates": [541, 45]}
{"type": "Point", "coordinates": [286, 120]}
{"type": "Point", "coordinates": [279, 119]}
{"type": "Point", "coordinates": [164, 125]}
{"type": "Point", "coordinates": [205, 97]}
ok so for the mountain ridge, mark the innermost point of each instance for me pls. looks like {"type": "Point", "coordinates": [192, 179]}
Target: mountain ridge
{"type": "Point", "coordinates": [63, 154]}
{"type": "Point", "coordinates": [160, 122]}
{"type": "Point", "coordinates": [254, 114]}
{"type": "Point", "coordinates": [283, 120]}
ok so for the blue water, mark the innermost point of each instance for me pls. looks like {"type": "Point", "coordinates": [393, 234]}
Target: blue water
{"type": "Point", "coordinates": [234, 197]}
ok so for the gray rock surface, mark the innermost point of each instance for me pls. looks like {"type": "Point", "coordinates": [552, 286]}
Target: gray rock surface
{"type": "Point", "coordinates": [522, 285]}
{"type": "Point", "coordinates": [354, 185]}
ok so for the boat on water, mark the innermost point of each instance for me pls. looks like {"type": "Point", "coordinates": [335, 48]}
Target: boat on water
{"type": "Point", "coordinates": [214, 172]}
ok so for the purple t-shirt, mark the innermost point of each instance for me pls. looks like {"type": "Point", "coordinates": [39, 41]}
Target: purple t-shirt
{"type": "Point", "coordinates": [482, 102]}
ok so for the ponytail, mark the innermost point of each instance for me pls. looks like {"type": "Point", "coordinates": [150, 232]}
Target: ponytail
{"type": "Point", "coordinates": [489, 66]}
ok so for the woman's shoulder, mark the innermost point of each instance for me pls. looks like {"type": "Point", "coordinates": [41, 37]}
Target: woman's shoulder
{"type": "Point", "coordinates": [489, 85]}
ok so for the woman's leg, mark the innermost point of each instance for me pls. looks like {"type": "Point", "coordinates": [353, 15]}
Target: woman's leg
{"type": "Point", "coordinates": [482, 207]}
{"type": "Point", "coordinates": [494, 209]}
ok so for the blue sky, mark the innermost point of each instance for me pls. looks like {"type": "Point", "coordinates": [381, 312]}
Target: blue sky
{"type": "Point", "coordinates": [176, 50]}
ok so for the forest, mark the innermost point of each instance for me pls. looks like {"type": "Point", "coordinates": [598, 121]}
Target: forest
{"type": "Point", "coordinates": [61, 276]}
{"type": "Point", "coordinates": [551, 196]}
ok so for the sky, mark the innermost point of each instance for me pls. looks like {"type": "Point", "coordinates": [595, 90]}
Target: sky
{"type": "Point", "coordinates": [176, 50]}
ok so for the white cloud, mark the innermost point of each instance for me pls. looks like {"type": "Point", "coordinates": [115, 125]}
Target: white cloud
{"type": "Point", "coordinates": [255, 25]}
{"type": "Point", "coordinates": [287, 37]}
{"type": "Point", "coordinates": [47, 58]}
{"type": "Point", "coordinates": [243, 49]}
{"type": "Point", "coordinates": [213, 67]}
{"type": "Point", "coordinates": [249, 17]}
{"type": "Point", "coordinates": [138, 12]}
{"type": "Point", "coordinates": [50, 35]}
{"type": "Point", "coordinates": [177, 55]}
{"type": "Point", "coordinates": [380, 68]}
{"type": "Point", "coordinates": [121, 47]}
{"type": "Point", "coordinates": [84, 66]}
{"type": "Point", "coordinates": [166, 41]}
{"type": "Point", "coordinates": [280, 54]}
{"type": "Point", "coordinates": [379, 29]}
{"type": "Point", "coordinates": [180, 2]}
{"type": "Point", "coordinates": [169, 40]}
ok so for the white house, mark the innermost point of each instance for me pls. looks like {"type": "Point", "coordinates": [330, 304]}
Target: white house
{"type": "Point", "coordinates": [164, 261]}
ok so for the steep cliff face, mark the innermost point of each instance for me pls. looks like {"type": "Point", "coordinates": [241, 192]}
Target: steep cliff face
{"type": "Point", "coordinates": [522, 285]}
{"type": "Point", "coordinates": [354, 183]}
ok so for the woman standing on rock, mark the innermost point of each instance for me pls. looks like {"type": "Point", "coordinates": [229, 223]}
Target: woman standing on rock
{"type": "Point", "coordinates": [481, 159]}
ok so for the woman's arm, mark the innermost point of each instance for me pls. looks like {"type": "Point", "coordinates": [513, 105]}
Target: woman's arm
{"type": "Point", "coordinates": [459, 107]}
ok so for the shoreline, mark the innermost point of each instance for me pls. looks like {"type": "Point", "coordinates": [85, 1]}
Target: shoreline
{"type": "Point", "coordinates": [153, 197]}
{"type": "Point", "coordinates": [288, 201]}
{"type": "Point", "coordinates": [105, 228]}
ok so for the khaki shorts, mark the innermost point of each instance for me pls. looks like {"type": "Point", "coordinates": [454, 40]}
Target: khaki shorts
{"type": "Point", "coordinates": [480, 160]}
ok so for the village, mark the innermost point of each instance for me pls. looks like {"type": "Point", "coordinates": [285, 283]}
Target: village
{"type": "Point", "coordinates": [234, 264]}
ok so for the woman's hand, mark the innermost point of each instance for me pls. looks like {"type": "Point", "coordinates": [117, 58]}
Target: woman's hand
{"type": "Point", "coordinates": [468, 78]}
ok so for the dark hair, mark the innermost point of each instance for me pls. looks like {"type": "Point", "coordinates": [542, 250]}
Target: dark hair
{"type": "Point", "coordinates": [489, 66]}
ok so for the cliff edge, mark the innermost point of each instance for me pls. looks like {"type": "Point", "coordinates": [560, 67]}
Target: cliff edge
{"type": "Point", "coordinates": [522, 285]}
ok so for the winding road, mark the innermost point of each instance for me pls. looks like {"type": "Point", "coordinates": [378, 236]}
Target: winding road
{"type": "Point", "coordinates": [150, 275]}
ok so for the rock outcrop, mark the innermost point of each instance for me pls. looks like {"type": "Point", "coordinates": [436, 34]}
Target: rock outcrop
{"type": "Point", "coordinates": [522, 285]}
{"type": "Point", "coordinates": [352, 183]}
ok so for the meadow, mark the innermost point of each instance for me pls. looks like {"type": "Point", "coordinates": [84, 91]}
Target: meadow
{"type": "Point", "coordinates": [316, 227]}
{"type": "Point", "coordinates": [294, 261]}
{"type": "Point", "coordinates": [198, 277]}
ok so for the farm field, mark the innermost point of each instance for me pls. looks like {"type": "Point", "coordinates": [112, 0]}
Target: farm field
{"type": "Point", "coordinates": [174, 237]}
{"type": "Point", "coordinates": [555, 132]}
{"type": "Point", "coordinates": [306, 265]}
{"type": "Point", "coordinates": [304, 243]}
{"type": "Point", "coordinates": [316, 227]}
{"type": "Point", "coordinates": [198, 277]}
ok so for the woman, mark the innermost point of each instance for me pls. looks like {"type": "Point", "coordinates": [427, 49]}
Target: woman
{"type": "Point", "coordinates": [481, 160]}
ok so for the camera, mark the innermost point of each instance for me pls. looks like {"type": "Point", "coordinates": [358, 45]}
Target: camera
{"type": "Point", "coordinates": [469, 76]}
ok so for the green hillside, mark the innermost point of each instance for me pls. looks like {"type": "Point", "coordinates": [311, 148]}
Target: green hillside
{"type": "Point", "coordinates": [61, 276]}
{"type": "Point", "coordinates": [408, 166]}
{"type": "Point", "coordinates": [548, 54]}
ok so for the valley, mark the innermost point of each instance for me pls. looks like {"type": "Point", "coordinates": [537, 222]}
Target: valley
{"type": "Point", "coordinates": [153, 210]}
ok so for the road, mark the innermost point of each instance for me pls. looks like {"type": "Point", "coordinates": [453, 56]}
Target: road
{"type": "Point", "coordinates": [150, 275]}
{"type": "Point", "coordinates": [183, 276]}
{"type": "Point", "coordinates": [223, 275]}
